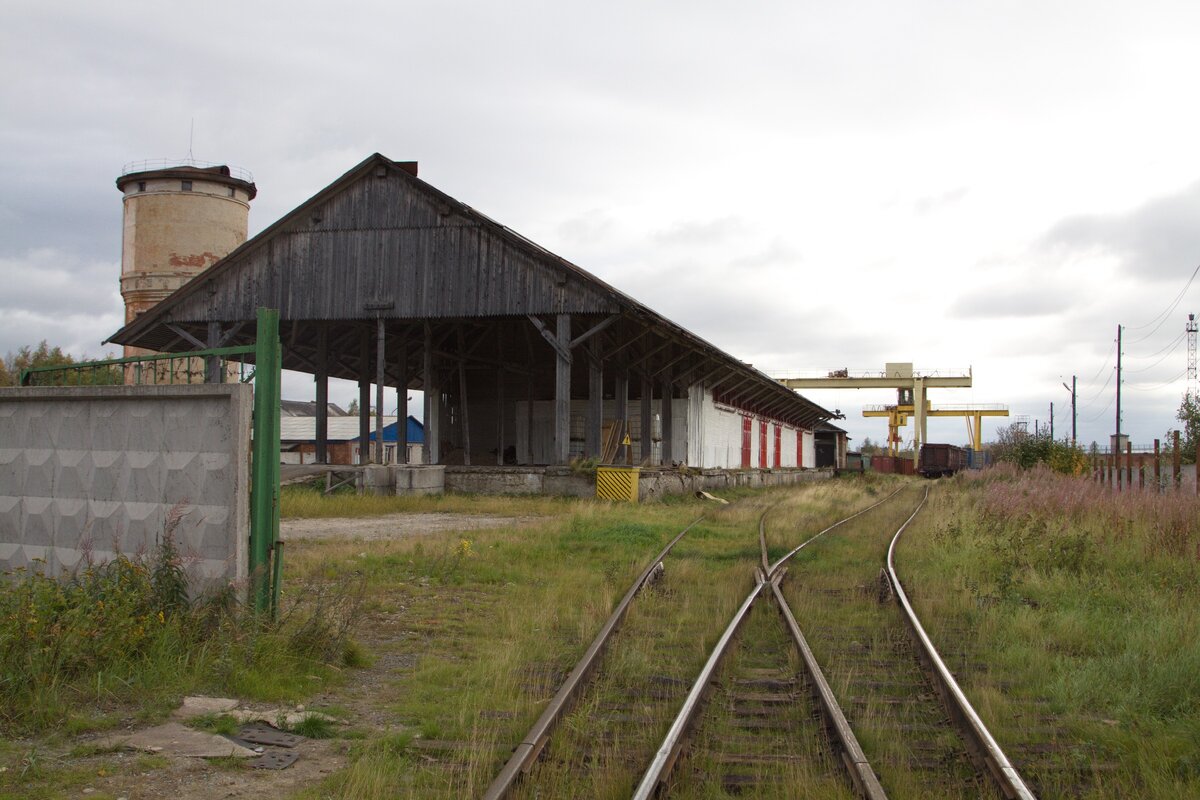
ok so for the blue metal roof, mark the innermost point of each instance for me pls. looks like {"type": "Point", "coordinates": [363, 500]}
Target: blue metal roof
{"type": "Point", "coordinates": [416, 432]}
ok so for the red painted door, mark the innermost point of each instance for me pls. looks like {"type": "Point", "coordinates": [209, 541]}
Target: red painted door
{"type": "Point", "coordinates": [778, 447]}
{"type": "Point", "coordinates": [762, 444]}
{"type": "Point", "coordinates": [799, 448]}
{"type": "Point", "coordinates": [746, 434]}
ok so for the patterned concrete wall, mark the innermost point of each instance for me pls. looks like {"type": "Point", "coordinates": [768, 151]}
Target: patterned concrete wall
{"type": "Point", "coordinates": [91, 472]}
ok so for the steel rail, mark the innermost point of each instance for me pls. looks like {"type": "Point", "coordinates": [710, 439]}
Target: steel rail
{"type": "Point", "coordinates": [984, 746]}
{"type": "Point", "coordinates": [525, 753]}
{"type": "Point", "coordinates": [762, 538]}
{"type": "Point", "coordinates": [771, 570]}
{"type": "Point", "coordinates": [667, 754]}
{"type": "Point", "coordinates": [861, 774]}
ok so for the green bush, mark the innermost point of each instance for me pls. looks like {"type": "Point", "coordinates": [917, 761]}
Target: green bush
{"type": "Point", "coordinates": [1027, 451]}
{"type": "Point", "coordinates": [125, 631]}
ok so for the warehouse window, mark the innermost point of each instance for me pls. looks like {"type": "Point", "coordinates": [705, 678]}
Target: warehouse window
{"type": "Point", "coordinates": [141, 186]}
{"type": "Point", "coordinates": [187, 186]}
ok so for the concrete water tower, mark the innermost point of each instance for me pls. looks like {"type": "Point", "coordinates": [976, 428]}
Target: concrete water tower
{"type": "Point", "coordinates": [180, 219]}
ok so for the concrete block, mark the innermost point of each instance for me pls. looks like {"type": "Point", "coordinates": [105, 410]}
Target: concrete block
{"type": "Point", "coordinates": [420, 479]}
{"type": "Point", "coordinates": [495, 480]}
{"type": "Point", "coordinates": [566, 482]}
{"type": "Point", "coordinates": [402, 478]}
{"type": "Point", "coordinates": [377, 479]}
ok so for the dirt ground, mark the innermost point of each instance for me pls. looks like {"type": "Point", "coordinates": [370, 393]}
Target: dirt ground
{"type": "Point", "coordinates": [392, 526]}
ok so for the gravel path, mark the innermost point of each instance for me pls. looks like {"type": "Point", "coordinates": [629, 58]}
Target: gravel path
{"type": "Point", "coordinates": [393, 526]}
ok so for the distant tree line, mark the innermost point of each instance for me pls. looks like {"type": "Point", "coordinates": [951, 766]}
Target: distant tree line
{"type": "Point", "coordinates": [44, 355]}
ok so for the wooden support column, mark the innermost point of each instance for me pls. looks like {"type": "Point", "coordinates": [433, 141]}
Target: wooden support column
{"type": "Point", "coordinates": [500, 396]}
{"type": "Point", "coordinates": [432, 447]}
{"type": "Point", "coordinates": [621, 423]}
{"type": "Point", "coordinates": [668, 415]}
{"type": "Point", "coordinates": [500, 417]}
{"type": "Point", "coordinates": [594, 438]}
{"type": "Point", "coordinates": [364, 397]}
{"type": "Point", "coordinates": [402, 403]}
{"type": "Point", "coordinates": [322, 378]}
{"type": "Point", "coordinates": [646, 438]}
{"type": "Point", "coordinates": [212, 364]}
{"type": "Point", "coordinates": [462, 398]}
{"type": "Point", "coordinates": [562, 390]}
{"type": "Point", "coordinates": [529, 398]}
{"type": "Point", "coordinates": [380, 380]}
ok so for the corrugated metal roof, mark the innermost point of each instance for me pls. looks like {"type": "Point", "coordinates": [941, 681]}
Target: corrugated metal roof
{"type": "Point", "coordinates": [304, 429]}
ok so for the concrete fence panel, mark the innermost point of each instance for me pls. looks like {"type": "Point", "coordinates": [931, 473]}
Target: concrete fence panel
{"type": "Point", "coordinates": [90, 472]}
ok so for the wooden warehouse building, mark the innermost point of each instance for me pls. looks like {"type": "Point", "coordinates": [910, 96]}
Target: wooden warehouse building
{"type": "Point", "coordinates": [524, 358]}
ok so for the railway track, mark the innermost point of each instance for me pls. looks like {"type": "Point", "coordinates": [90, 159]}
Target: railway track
{"type": "Point", "coordinates": [763, 717]}
{"type": "Point", "coordinates": [775, 731]}
{"type": "Point", "coordinates": [599, 730]}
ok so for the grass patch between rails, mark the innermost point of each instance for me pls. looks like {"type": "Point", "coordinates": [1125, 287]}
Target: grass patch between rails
{"type": "Point", "coordinates": [1083, 605]}
{"type": "Point", "coordinates": [865, 652]}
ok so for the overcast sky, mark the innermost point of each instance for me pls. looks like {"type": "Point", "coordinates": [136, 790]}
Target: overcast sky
{"type": "Point", "coordinates": [810, 186]}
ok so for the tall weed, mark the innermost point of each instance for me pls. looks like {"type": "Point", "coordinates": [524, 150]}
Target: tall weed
{"type": "Point", "coordinates": [126, 631]}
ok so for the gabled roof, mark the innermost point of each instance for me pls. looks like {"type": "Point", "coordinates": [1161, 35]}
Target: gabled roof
{"type": "Point", "coordinates": [381, 242]}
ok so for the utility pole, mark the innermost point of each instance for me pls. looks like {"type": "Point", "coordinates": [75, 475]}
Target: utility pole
{"type": "Point", "coordinates": [1117, 441]}
{"type": "Point", "coordinates": [1071, 389]}
{"type": "Point", "coordinates": [1052, 420]}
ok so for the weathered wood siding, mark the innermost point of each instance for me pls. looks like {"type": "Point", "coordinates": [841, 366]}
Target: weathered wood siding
{"type": "Point", "coordinates": [387, 239]}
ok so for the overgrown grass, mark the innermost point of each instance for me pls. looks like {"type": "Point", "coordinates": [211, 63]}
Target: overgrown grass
{"type": "Point", "coordinates": [485, 625]}
{"type": "Point", "coordinates": [308, 500]}
{"type": "Point", "coordinates": [123, 639]}
{"type": "Point", "coordinates": [1083, 604]}
{"type": "Point", "coordinates": [863, 649]}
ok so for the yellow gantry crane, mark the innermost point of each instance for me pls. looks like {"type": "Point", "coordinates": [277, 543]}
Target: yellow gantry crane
{"type": "Point", "coordinates": [911, 400]}
{"type": "Point", "coordinates": [898, 417]}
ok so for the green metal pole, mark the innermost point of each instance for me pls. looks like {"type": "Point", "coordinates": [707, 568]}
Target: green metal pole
{"type": "Point", "coordinates": [276, 576]}
{"type": "Point", "coordinates": [264, 491]}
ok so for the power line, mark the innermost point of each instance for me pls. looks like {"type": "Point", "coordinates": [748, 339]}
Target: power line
{"type": "Point", "coordinates": [1166, 313]}
{"type": "Point", "coordinates": [1106, 363]}
{"type": "Point", "coordinates": [1097, 393]}
{"type": "Point", "coordinates": [1164, 347]}
{"type": "Point", "coordinates": [1178, 341]}
{"type": "Point", "coordinates": [1139, 388]}
{"type": "Point", "coordinates": [1102, 411]}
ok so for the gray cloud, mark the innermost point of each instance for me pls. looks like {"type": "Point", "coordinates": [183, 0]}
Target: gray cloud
{"type": "Point", "coordinates": [687, 153]}
{"type": "Point", "coordinates": [995, 302]}
{"type": "Point", "coordinates": [588, 229]}
{"type": "Point", "coordinates": [777, 253]}
{"type": "Point", "coordinates": [708, 232]}
{"type": "Point", "coordinates": [1158, 240]}
{"type": "Point", "coordinates": [60, 297]}
{"type": "Point", "coordinates": [937, 202]}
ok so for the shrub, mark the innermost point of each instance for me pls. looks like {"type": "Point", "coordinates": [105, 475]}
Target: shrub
{"type": "Point", "coordinates": [1027, 451]}
{"type": "Point", "coordinates": [126, 630]}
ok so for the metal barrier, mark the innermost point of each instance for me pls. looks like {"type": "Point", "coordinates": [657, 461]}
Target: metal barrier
{"type": "Point", "coordinates": [617, 483]}
{"type": "Point", "coordinates": [180, 368]}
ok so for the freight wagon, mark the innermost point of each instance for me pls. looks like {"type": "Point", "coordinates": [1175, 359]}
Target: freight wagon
{"type": "Point", "coordinates": [940, 460]}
